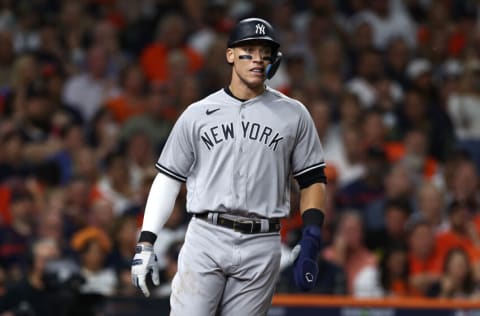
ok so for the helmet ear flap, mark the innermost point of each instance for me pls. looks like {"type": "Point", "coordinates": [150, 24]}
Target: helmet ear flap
{"type": "Point", "coordinates": [273, 67]}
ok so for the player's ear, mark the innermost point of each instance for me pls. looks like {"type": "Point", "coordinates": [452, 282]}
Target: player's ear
{"type": "Point", "coordinates": [230, 55]}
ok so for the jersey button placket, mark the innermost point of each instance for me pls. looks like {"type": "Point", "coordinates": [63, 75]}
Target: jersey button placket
{"type": "Point", "coordinates": [237, 159]}
{"type": "Point", "coordinates": [240, 174]}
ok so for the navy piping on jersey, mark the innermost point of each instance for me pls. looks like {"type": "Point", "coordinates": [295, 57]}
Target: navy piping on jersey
{"type": "Point", "coordinates": [318, 165]}
{"type": "Point", "coordinates": [170, 173]}
{"type": "Point", "coordinates": [229, 92]}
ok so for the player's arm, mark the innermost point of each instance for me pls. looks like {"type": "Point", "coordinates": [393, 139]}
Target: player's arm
{"type": "Point", "coordinates": [160, 203]}
{"type": "Point", "coordinates": [313, 197]}
{"type": "Point", "coordinates": [308, 166]}
{"type": "Point", "coordinates": [312, 206]}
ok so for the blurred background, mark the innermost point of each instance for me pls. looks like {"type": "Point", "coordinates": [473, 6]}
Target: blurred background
{"type": "Point", "coordinates": [89, 90]}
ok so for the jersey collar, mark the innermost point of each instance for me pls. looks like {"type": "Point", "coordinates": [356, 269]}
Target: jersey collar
{"type": "Point", "coordinates": [229, 92]}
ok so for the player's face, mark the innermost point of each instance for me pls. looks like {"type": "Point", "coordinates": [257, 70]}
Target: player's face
{"type": "Point", "coordinates": [250, 62]}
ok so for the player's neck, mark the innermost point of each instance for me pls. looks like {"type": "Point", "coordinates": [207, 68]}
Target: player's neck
{"type": "Point", "coordinates": [244, 92]}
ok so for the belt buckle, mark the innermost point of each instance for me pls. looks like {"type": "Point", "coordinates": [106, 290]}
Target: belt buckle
{"type": "Point", "coordinates": [244, 221]}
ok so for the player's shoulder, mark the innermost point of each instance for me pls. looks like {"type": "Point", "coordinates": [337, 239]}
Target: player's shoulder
{"type": "Point", "coordinates": [212, 99]}
{"type": "Point", "coordinates": [280, 98]}
{"type": "Point", "coordinates": [217, 97]}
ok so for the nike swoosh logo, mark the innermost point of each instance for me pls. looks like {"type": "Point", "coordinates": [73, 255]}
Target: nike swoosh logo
{"type": "Point", "coordinates": [208, 112]}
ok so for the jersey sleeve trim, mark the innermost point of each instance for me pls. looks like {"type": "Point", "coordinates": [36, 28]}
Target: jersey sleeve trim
{"type": "Point", "coordinates": [315, 166]}
{"type": "Point", "coordinates": [170, 173]}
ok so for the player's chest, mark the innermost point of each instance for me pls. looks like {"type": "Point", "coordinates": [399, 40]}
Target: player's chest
{"type": "Point", "coordinates": [253, 130]}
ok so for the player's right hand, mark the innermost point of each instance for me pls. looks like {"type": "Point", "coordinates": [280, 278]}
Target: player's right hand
{"type": "Point", "coordinates": [144, 262]}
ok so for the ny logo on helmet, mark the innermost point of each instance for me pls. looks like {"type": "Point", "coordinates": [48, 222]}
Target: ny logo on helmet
{"type": "Point", "coordinates": [260, 29]}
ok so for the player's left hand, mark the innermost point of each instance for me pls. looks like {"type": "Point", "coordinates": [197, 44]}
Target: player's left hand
{"type": "Point", "coordinates": [304, 258]}
{"type": "Point", "coordinates": [144, 263]}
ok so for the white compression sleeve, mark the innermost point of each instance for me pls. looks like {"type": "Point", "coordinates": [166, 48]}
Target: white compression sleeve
{"type": "Point", "coordinates": [160, 202]}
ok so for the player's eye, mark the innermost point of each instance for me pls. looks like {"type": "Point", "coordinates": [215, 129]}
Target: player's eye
{"type": "Point", "coordinates": [266, 51]}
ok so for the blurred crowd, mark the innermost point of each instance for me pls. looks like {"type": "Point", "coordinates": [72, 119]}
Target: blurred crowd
{"type": "Point", "coordinates": [89, 90]}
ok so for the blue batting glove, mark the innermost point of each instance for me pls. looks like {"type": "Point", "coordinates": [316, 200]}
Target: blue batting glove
{"type": "Point", "coordinates": [304, 257]}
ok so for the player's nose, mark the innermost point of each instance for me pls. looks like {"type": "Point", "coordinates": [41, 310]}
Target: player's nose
{"type": "Point", "coordinates": [257, 56]}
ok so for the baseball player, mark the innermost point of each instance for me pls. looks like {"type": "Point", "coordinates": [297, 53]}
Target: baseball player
{"type": "Point", "coordinates": [236, 150]}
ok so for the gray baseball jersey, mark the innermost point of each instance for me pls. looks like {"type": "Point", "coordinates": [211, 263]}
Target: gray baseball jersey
{"type": "Point", "coordinates": [237, 156]}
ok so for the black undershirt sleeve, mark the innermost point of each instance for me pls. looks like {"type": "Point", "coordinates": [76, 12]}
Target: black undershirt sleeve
{"type": "Point", "coordinates": [316, 175]}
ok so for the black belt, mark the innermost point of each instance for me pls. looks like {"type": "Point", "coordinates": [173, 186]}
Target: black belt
{"type": "Point", "coordinates": [242, 224]}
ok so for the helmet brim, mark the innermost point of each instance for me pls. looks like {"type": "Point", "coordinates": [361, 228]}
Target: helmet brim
{"type": "Point", "coordinates": [268, 39]}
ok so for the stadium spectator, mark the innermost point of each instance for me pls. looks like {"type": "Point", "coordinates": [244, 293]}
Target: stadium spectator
{"type": "Point", "coordinates": [124, 237]}
{"type": "Point", "coordinates": [465, 186]}
{"type": "Point", "coordinates": [75, 23]}
{"type": "Point", "coordinates": [374, 129]}
{"type": "Point", "coordinates": [31, 295]}
{"type": "Point", "coordinates": [50, 225]}
{"type": "Point", "coordinates": [394, 271]}
{"type": "Point", "coordinates": [463, 108]}
{"type": "Point", "coordinates": [424, 259]}
{"type": "Point", "coordinates": [358, 194]}
{"type": "Point", "coordinates": [457, 280]}
{"type": "Point", "coordinates": [103, 134]}
{"type": "Point", "coordinates": [389, 19]}
{"type": "Point", "coordinates": [16, 236]}
{"type": "Point", "coordinates": [188, 93]}
{"type": "Point", "coordinates": [214, 75]}
{"type": "Point", "coordinates": [86, 165]}
{"type": "Point", "coordinates": [430, 202]}
{"type": "Point", "coordinates": [12, 163]}
{"type": "Point", "coordinates": [369, 70]}
{"type": "Point", "coordinates": [139, 154]}
{"type": "Point", "coordinates": [417, 114]}
{"type": "Point", "coordinates": [397, 56]}
{"type": "Point", "coordinates": [396, 214]}
{"type": "Point", "coordinates": [462, 233]}
{"type": "Point", "coordinates": [115, 185]}
{"type": "Point", "coordinates": [155, 122]}
{"type": "Point", "coordinates": [399, 183]}
{"type": "Point", "coordinates": [389, 95]}
{"type": "Point", "coordinates": [413, 153]}
{"type": "Point", "coordinates": [87, 91]}
{"type": "Point", "coordinates": [77, 205]}
{"type": "Point", "coordinates": [92, 246]}
{"type": "Point", "coordinates": [73, 142]}
{"type": "Point", "coordinates": [102, 214]}
{"type": "Point", "coordinates": [170, 39]}
{"type": "Point", "coordinates": [349, 161]}
{"type": "Point", "coordinates": [350, 253]}
{"type": "Point", "coordinates": [329, 57]}
{"type": "Point", "coordinates": [360, 39]}
{"type": "Point", "coordinates": [132, 99]}
{"type": "Point", "coordinates": [105, 35]}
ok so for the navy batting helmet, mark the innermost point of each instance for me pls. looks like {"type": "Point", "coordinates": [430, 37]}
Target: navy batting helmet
{"type": "Point", "coordinates": [253, 29]}
{"type": "Point", "coordinates": [257, 29]}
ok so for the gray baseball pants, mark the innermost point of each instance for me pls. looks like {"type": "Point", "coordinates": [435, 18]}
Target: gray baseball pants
{"type": "Point", "coordinates": [224, 272]}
